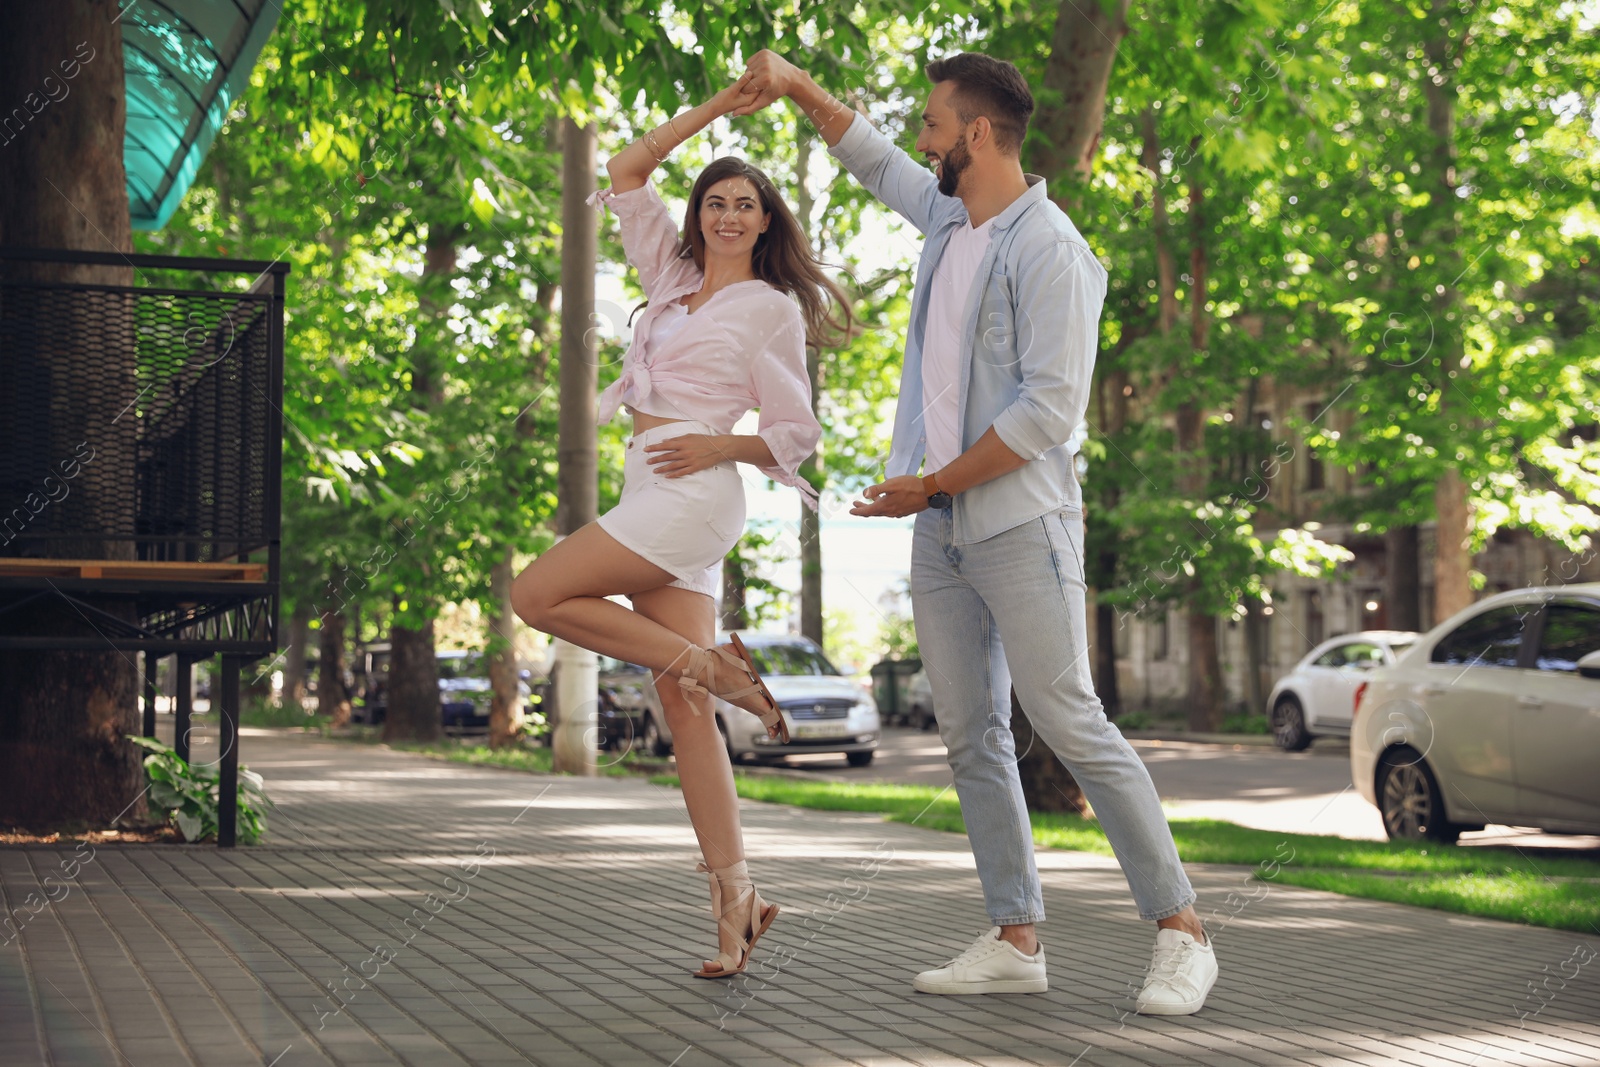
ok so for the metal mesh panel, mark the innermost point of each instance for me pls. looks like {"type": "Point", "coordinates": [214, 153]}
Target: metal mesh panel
{"type": "Point", "coordinates": [135, 414]}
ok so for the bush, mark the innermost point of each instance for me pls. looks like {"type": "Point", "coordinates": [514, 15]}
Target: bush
{"type": "Point", "coordinates": [189, 796]}
{"type": "Point", "coordinates": [1246, 723]}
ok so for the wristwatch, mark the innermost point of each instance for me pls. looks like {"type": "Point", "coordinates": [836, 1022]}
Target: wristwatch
{"type": "Point", "coordinates": [937, 498]}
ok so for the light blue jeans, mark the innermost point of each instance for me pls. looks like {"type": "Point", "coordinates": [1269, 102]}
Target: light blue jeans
{"type": "Point", "coordinates": [1026, 585]}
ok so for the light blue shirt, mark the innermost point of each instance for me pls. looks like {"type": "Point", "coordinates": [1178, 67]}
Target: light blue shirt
{"type": "Point", "coordinates": [1028, 347]}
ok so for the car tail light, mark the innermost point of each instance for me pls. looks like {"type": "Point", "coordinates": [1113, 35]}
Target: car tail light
{"type": "Point", "coordinates": [1361, 691]}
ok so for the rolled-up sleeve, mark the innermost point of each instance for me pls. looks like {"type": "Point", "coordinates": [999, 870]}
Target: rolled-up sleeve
{"type": "Point", "coordinates": [1059, 299]}
{"type": "Point", "coordinates": [649, 236]}
{"type": "Point", "coordinates": [905, 186]}
{"type": "Point", "coordinates": [782, 388]}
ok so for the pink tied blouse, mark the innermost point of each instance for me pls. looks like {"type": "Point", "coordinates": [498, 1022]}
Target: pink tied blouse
{"type": "Point", "coordinates": [744, 348]}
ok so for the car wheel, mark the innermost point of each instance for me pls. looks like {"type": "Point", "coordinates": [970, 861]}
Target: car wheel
{"type": "Point", "coordinates": [653, 742]}
{"type": "Point", "coordinates": [1410, 801]}
{"type": "Point", "coordinates": [1289, 725]}
{"type": "Point", "coordinates": [859, 759]}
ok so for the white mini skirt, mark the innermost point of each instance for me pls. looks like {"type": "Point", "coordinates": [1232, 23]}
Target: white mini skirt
{"type": "Point", "coordinates": [683, 525]}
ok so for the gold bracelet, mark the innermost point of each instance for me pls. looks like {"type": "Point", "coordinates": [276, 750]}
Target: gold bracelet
{"type": "Point", "coordinates": [672, 122]}
{"type": "Point", "coordinates": [653, 147]}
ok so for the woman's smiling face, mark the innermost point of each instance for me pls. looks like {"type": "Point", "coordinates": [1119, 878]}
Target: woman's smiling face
{"type": "Point", "coordinates": [731, 218]}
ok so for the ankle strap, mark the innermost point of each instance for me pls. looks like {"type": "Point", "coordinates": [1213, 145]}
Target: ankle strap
{"type": "Point", "coordinates": [735, 874]}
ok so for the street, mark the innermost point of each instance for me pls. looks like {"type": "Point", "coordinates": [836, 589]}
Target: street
{"type": "Point", "coordinates": [1251, 784]}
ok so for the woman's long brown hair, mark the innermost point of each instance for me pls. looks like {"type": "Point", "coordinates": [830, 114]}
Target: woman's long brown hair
{"type": "Point", "coordinates": [782, 257]}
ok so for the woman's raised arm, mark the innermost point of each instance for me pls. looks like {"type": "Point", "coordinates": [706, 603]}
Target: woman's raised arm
{"type": "Point", "coordinates": [630, 167]}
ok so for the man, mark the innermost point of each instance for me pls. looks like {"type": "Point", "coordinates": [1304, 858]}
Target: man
{"type": "Point", "coordinates": [998, 361]}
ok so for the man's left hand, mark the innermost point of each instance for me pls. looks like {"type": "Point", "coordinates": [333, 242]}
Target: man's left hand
{"type": "Point", "coordinates": [893, 498]}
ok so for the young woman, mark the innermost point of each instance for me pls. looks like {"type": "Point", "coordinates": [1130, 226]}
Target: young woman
{"type": "Point", "coordinates": [732, 304]}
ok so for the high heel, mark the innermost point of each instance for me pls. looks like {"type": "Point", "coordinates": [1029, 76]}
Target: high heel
{"type": "Point", "coordinates": [754, 922]}
{"type": "Point", "coordinates": [699, 677]}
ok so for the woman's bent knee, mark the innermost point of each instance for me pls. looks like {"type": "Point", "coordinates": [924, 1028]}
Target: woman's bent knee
{"type": "Point", "coordinates": [530, 607]}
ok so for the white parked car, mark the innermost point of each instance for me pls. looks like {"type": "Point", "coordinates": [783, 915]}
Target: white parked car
{"type": "Point", "coordinates": [826, 711]}
{"type": "Point", "coordinates": [1493, 716]}
{"type": "Point", "coordinates": [1315, 699]}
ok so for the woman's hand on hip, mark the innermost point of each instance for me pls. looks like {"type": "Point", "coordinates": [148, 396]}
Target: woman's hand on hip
{"type": "Point", "coordinates": [688, 454]}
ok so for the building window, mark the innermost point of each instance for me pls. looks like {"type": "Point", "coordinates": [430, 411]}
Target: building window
{"type": "Point", "coordinates": [1160, 638]}
{"type": "Point", "coordinates": [1314, 630]}
{"type": "Point", "coordinates": [1316, 477]}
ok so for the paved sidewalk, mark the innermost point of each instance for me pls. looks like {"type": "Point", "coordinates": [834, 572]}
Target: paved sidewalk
{"type": "Point", "coordinates": [565, 916]}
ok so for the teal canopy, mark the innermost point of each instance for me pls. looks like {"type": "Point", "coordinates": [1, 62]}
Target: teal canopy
{"type": "Point", "coordinates": [187, 62]}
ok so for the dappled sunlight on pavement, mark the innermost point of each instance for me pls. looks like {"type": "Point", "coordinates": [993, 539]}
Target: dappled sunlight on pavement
{"type": "Point", "coordinates": [415, 911]}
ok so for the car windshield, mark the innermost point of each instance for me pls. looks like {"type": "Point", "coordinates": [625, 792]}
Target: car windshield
{"type": "Point", "coordinates": [790, 659]}
{"type": "Point", "coordinates": [468, 666]}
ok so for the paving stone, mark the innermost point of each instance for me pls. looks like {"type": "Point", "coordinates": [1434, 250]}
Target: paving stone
{"type": "Point", "coordinates": [579, 917]}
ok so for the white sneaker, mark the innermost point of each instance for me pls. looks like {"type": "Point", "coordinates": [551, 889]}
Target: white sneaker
{"type": "Point", "coordinates": [1182, 972]}
{"type": "Point", "coordinates": [989, 966]}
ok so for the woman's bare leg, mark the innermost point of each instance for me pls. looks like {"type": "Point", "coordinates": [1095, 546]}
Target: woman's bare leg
{"type": "Point", "coordinates": [563, 593]}
{"type": "Point", "coordinates": [703, 768]}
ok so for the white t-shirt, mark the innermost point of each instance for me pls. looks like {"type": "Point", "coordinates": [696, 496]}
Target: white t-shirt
{"type": "Point", "coordinates": [941, 346]}
{"type": "Point", "coordinates": [667, 326]}
{"type": "Point", "coordinates": [670, 322]}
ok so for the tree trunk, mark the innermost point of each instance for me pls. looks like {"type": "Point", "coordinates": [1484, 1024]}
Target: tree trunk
{"type": "Point", "coordinates": [413, 686]}
{"type": "Point", "coordinates": [1257, 658]}
{"type": "Point", "coordinates": [810, 521]}
{"type": "Point", "coordinates": [64, 715]}
{"type": "Point", "coordinates": [333, 698]}
{"type": "Point", "coordinates": [1113, 409]}
{"type": "Point", "coordinates": [1452, 560]}
{"type": "Point", "coordinates": [1403, 565]}
{"type": "Point", "coordinates": [294, 658]}
{"type": "Point", "coordinates": [1082, 50]}
{"type": "Point", "coordinates": [422, 717]}
{"type": "Point", "coordinates": [505, 703]}
{"type": "Point", "coordinates": [1105, 646]}
{"type": "Point", "coordinates": [1047, 785]}
{"type": "Point", "coordinates": [1205, 683]}
{"type": "Point", "coordinates": [1166, 266]}
{"type": "Point", "coordinates": [1206, 693]}
{"type": "Point", "coordinates": [577, 688]}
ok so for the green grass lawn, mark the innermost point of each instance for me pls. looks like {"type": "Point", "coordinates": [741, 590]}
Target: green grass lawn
{"type": "Point", "coordinates": [1496, 883]}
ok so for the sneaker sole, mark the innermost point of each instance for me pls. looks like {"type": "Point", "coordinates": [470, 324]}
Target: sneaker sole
{"type": "Point", "coordinates": [1015, 985]}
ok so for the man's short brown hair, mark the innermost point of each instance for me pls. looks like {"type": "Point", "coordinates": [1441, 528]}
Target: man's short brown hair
{"type": "Point", "coordinates": [989, 87]}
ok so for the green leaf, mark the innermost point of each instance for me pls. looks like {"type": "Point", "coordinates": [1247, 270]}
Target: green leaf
{"type": "Point", "coordinates": [189, 826]}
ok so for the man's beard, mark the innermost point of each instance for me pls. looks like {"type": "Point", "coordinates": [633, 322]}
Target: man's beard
{"type": "Point", "coordinates": [951, 165]}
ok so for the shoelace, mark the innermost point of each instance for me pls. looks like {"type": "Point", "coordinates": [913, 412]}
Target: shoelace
{"type": "Point", "coordinates": [979, 949]}
{"type": "Point", "coordinates": [1168, 962]}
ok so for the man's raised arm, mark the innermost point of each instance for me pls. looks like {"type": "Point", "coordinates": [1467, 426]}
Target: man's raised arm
{"type": "Point", "coordinates": [889, 173]}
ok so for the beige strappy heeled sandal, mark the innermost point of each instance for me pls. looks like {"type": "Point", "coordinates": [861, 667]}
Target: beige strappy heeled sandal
{"type": "Point", "coordinates": [754, 923]}
{"type": "Point", "coordinates": [698, 676]}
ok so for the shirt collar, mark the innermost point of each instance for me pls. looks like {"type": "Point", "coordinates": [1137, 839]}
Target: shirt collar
{"type": "Point", "coordinates": [1035, 193]}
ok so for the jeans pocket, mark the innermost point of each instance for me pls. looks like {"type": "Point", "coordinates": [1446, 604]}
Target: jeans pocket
{"type": "Point", "coordinates": [1071, 520]}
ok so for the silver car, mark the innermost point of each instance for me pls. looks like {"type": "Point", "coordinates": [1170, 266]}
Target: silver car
{"type": "Point", "coordinates": [1317, 698]}
{"type": "Point", "coordinates": [1493, 716]}
{"type": "Point", "coordinates": [825, 711]}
